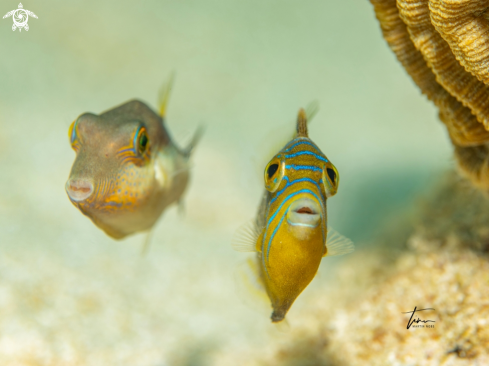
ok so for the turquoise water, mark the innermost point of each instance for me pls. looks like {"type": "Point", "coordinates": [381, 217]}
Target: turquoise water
{"type": "Point", "coordinates": [243, 69]}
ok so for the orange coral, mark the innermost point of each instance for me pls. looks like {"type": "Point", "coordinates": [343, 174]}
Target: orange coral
{"type": "Point", "coordinates": [430, 38]}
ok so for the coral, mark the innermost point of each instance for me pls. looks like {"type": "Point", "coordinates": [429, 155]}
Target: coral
{"type": "Point", "coordinates": [437, 53]}
{"type": "Point", "coordinates": [464, 26]}
{"type": "Point", "coordinates": [443, 46]}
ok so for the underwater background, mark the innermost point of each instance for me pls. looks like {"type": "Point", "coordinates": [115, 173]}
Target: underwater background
{"type": "Point", "coordinates": [69, 294]}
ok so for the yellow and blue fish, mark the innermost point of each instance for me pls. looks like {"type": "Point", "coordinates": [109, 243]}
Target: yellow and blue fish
{"type": "Point", "coordinates": [290, 232]}
{"type": "Point", "coordinates": [127, 169]}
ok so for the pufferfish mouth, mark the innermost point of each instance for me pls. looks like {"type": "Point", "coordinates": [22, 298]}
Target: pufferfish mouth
{"type": "Point", "coordinates": [304, 212]}
{"type": "Point", "coordinates": [79, 189]}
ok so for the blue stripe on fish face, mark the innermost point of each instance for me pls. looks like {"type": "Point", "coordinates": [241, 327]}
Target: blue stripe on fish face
{"type": "Point", "coordinates": [290, 196]}
{"type": "Point", "coordinates": [314, 168]}
{"type": "Point", "coordinates": [134, 143]}
{"type": "Point", "coordinates": [306, 153]}
{"type": "Point", "coordinates": [307, 191]}
{"type": "Point", "coordinates": [300, 141]}
{"type": "Point", "coordinates": [279, 193]}
{"type": "Point", "coordinates": [303, 160]}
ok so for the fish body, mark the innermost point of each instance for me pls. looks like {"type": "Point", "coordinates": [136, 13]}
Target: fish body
{"type": "Point", "coordinates": [290, 231]}
{"type": "Point", "coordinates": [127, 169]}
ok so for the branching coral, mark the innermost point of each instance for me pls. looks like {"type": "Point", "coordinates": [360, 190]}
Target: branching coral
{"type": "Point", "coordinates": [444, 47]}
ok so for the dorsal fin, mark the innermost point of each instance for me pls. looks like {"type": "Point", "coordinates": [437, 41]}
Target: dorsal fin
{"type": "Point", "coordinates": [302, 123]}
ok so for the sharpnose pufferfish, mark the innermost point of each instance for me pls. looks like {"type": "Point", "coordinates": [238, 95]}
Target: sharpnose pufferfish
{"type": "Point", "coordinates": [290, 232]}
{"type": "Point", "coordinates": [127, 168]}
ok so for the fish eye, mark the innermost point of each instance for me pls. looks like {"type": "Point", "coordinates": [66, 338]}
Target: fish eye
{"type": "Point", "coordinates": [75, 143]}
{"type": "Point", "coordinates": [331, 175]}
{"type": "Point", "coordinates": [274, 173]}
{"type": "Point", "coordinates": [72, 132]}
{"type": "Point", "coordinates": [272, 169]}
{"type": "Point", "coordinates": [331, 180]}
{"type": "Point", "coordinates": [143, 141]}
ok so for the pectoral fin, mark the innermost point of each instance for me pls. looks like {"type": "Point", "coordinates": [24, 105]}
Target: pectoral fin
{"type": "Point", "coordinates": [337, 244]}
{"type": "Point", "coordinates": [246, 237]}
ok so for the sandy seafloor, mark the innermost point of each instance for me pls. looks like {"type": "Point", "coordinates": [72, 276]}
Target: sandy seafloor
{"type": "Point", "coordinates": [70, 295]}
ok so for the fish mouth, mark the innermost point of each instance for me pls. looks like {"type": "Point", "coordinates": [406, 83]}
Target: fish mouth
{"type": "Point", "coordinates": [79, 189]}
{"type": "Point", "coordinates": [304, 212]}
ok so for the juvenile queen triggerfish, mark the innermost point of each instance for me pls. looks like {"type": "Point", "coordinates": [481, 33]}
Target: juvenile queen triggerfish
{"type": "Point", "coordinates": [127, 168]}
{"type": "Point", "coordinates": [290, 232]}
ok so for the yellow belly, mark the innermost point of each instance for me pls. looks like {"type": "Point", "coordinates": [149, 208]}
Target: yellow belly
{"type": "Point", "coordinates": [290, 267]}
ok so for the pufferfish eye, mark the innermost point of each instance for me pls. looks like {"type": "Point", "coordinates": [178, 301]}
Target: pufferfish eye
{"type": "Point", "coordinates": [72, 132]}
{"type": "Point", "coordinates": [331, 180]}
{"type": "Point", "coordinates": [142, 141]}
{"type": "Point", "coordinates": [72, 135]}
{"type": "Point", "coordinates": [274, 173]}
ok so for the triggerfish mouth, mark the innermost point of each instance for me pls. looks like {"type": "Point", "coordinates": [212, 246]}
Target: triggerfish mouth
{"type": "Point", "coordinates": [127, 169]}
{"type": "Point", "coordinates": [290, 232]}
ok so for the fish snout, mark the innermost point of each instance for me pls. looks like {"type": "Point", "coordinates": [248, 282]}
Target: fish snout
{"type": "Point", "coordinates": [304, 212]}
{"type": "Point", "coordinates": [79, 189]}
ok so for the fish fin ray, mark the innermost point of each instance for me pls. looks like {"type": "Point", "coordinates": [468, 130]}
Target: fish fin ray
{"type": "Point", "coordinates": [164, 95]}
{"type": "Point", "coordinates": [311, 110]}
{"type": "Point", "coordinates": [338, 244]}
{"type": "Point", "coordinates": [245, 238]}
{"type": "Point", "coordinates": [146, 243]}
{"type": "Point", "coordinates": [195, 140]}
{"type": "Point", "coordinates": [309, 113]}
{"type": "Point", "coordinates": [282, 326]}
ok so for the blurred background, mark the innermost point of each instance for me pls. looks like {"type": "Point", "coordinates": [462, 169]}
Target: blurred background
{"type": "Point", "coordinates": [69, 294]}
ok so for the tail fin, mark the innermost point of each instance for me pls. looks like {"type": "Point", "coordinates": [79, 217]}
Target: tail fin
{"type": "Point", "coordinates": [164, 95]}
{"type": "Point", "coordinates": [195, 140]}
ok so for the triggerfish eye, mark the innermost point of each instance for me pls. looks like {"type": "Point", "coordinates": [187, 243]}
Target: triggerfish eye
{"type": "Point", "coordinates": [272, 169]}
{"type": "Point", "coordinates": [331, 180]}
{"type": "Point", "coordinates": [290, 233]}
{"type": "Point", "coordinates": [274, 174]}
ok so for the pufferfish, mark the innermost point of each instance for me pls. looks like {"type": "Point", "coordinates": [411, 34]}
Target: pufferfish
{"type": "Point", "coordinates": [290, 232]}
{"type": "Point", "coordinates": [127, 169]}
